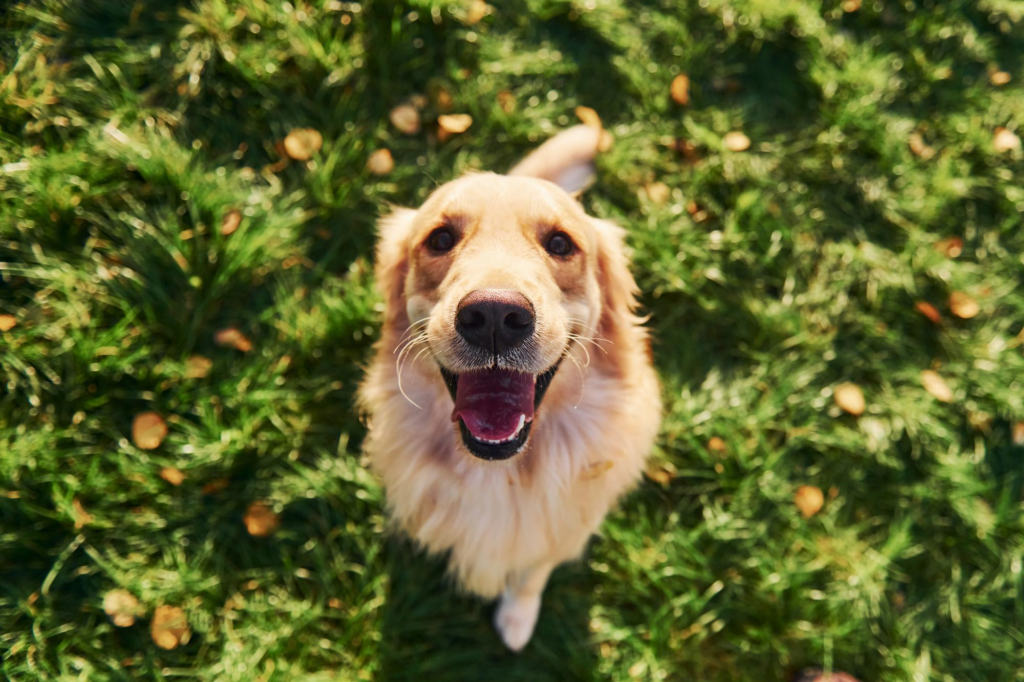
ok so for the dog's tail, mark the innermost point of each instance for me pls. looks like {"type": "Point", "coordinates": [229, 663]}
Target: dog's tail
{"type": "Point", "coordinates": [567, 159]}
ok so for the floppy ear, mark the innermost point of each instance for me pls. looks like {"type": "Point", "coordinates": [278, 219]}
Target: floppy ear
{"type": "Point", "coordinates": [393, 232]}
{"type": "Point", "coordinates": [619, 322]}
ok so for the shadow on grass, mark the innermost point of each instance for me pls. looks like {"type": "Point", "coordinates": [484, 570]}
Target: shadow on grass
{"type": "Point", "coordinates": [431, 632]}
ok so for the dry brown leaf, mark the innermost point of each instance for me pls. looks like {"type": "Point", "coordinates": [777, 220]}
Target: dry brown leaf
{"type": "Point", "coordinates": [936, 385]}
{"type": "Point", "coordinates": [232, 219]}
{"type": "Point", "coordinates": [1005, 140]}
{"type": "Point", "coordinates": [851, 5]}
{"type": "Point", "coordinates": [478, 9]}
{"type": "Point", "coordinates": [169, 627]}
{"type": "Point", "coordinates": [260, 520]}
{"type": "Point", "coordinates": [589, 117]}
{"type": "Point", "coordinates": [172, 475]}
{"type": "Point", "coordinates": [334, 603]}
{"type": "Point", "coordinates": [717, 445]}
{"type": "Point", "coordinates": [148, 430]}
{"type": "Point", "coordinates": [657, 192]}
{"type": "Point", "coordinates": [998, 78]}
{"type": "Point", "coordinates": [962, 305]}
{"type": "Point", "coordinates": [659, 474]}
{"type": "Point", "coordinates": [232, 338]}
{"type": "Point", "coordinates": [405, 118]}
{"type": "Point", "coordinates": [380, 162]}
{"type": "Point", "coordinates": [809, 500]}
{"type": "Point", "coordinates": [215, 486]}
{"type": "Point", "coordinates": [736, 141]}
{"type": "Point", "coordinates": [507, 101]}
{"type": "Point", "coordinates": [1018, 433]}
{"type": "Point", "coordinates": [197, 366]}
{"type": "Point", "coordinates": [597, 469]}
{"type": "Point", "coordinates": [919, 147]}
{"type": "Point", "coordinates": [951, 247]}
{"type": "Point", "coordinates": [82, 517]}
{"type": "Point", "coordinates": [681, 89]}
{"type": "Point", "coordinates": [849, 397]}
{"type": "Point", "coordinates": [7, 322]}
{"type": "Point", "coordinates": [302, 143]}
{"type": "Point", "coordinates": [122, 607]}
{"type": "Point", "coordinates": [605, 142]}
{"type": "Point", "coordinates": [455, 123]}
{"type": "Point", "coordinates": [929, 311]}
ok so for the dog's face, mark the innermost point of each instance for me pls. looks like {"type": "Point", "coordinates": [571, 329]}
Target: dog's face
{"type": "Point", "coordinates": [498, 276]}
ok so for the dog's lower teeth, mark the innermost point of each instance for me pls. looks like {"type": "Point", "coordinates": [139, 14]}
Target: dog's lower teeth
{"type": "Point", "coordinates": [519, 429]}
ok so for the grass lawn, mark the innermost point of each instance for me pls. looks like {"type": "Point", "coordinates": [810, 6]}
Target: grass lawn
{"type": "Point", "coordinates": [159, 253]}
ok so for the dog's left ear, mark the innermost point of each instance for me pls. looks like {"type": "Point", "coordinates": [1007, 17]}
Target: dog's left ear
{"type": "Point", "coordinates": [392, 264]}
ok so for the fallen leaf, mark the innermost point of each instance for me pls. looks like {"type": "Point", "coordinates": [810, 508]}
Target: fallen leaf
{"type": "Point", "coordinates": [962, 305]}
{"type": "Point", "coordinates": [215, 486]}
{"type": "Point", "coordinates": [851, 5]}
{"type": "Point", "coordinates": [999, 78]}
{"type": "Point", "coordinates": [455, 123]}
{"type": "Point", "coordinates": [507, 101]}
{"type": "Point", "coordinates": [302, 143]}
{"type": "Point", "coordinates": [172, 475]}
{"type": "Point", "coordinates": [232, 338]}
{"type": "Point", "coordinates": [334, 603]}
{"type": "Point", "coordinates": [122, 607]}
{"type": "Point", "coordinates": [681, 89]}
{"type": "Point", "coordinates": [169, 627]}
{"type": "Point", "coordinates": [659, 474]}
{"type": "Point", "coordinates": [148, 430]}
{"type": "Point", "coordinates": [951, 247]}
{"type": "Point", "coordinates": [419, 101]}
{"type": "Point", "coordinates": [657, 192]}
{"type": "Point", "coordinates": [197, 367]}
{"type": "Point", "coordinates": [260, 520]}
{"type": "Point", "coordinates": [919, 147]}
{"type": "Point", "coordinates": [809, 500]}
{"type": "Point", "coordinates": [936, 385]}
{"type": "Point", "coordinates": [1018, 433]}
{"type": "Point", "coordinates": [929, 311]}
{"type": "Point", "coordinates": [405, 118]}
{"type": "Point", "coordinates": [1005, 140]}
{"type": "Point", "coordinates": [7, 322]}
{"type": "Point", "coordinates": [82, 517]}
{"type": "Point", "coordinates": [597, 469]}
{"type": "Point", "coordinates": [380, 162]}
{"type": "Point", "coordinates": [604, 143]}
{"type": "Point", "coordinates": [589, 117]}
{"type": "Point", "coordinates": [736, 141]}
{"type": "Point", "coordinates": [478, 9]}
{"type": "Point", "coordinates": [849, 397]}
{"type": "Point", "coordinates": [716, 445]}
{"type": "Point", "coordinates": [232, 219]}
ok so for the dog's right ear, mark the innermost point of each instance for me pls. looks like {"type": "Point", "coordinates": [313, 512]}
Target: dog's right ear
{"type": "Point", "coordinates": [393, 233]}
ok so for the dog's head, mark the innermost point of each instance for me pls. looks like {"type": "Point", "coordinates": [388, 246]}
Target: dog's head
{"type": "Point", "coordinates": [497, 276]}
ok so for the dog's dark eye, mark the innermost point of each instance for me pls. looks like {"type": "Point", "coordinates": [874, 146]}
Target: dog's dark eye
{"type": "Point", "coordinates": [441, 240]}
{"type": "Point", "coordinates": [559, 244]}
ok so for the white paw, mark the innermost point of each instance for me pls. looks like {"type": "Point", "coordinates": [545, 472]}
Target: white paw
{"type": "Point", "coordinates": [515, 619]}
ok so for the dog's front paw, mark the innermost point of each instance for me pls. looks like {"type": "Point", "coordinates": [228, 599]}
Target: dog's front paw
{"type": "Point", "coordinates": [515, 619]}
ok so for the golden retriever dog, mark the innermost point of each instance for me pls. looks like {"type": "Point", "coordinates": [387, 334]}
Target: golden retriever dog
{"type": "Point", "coordinates": [511, 400]}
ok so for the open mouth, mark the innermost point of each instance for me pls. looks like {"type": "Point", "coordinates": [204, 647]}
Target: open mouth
{"type": "Point", "coordinates": [495, 408]}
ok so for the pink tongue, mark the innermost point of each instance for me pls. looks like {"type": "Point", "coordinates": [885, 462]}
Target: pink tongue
{"type": "Point", "coordinates": [491, 402]}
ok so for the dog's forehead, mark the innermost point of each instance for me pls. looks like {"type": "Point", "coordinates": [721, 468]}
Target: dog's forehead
{"type": "Point", "coordinates": [486, 197]}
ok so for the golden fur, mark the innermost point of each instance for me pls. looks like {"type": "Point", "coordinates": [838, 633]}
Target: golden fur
{"type": "Point", "coordinates": [506, 524]}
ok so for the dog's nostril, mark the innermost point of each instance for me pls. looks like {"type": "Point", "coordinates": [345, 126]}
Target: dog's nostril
{"type": "Point", "coordinates": [518, 319]}
{"type": "Point", "coordinates": [471, 318]}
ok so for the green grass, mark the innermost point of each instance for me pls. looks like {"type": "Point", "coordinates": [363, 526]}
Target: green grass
{"type": "Point", "coordinates": [127, 126]}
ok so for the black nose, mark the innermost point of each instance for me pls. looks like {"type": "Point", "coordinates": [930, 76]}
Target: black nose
{"type": "Point", "coordinates": [495, 319]}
